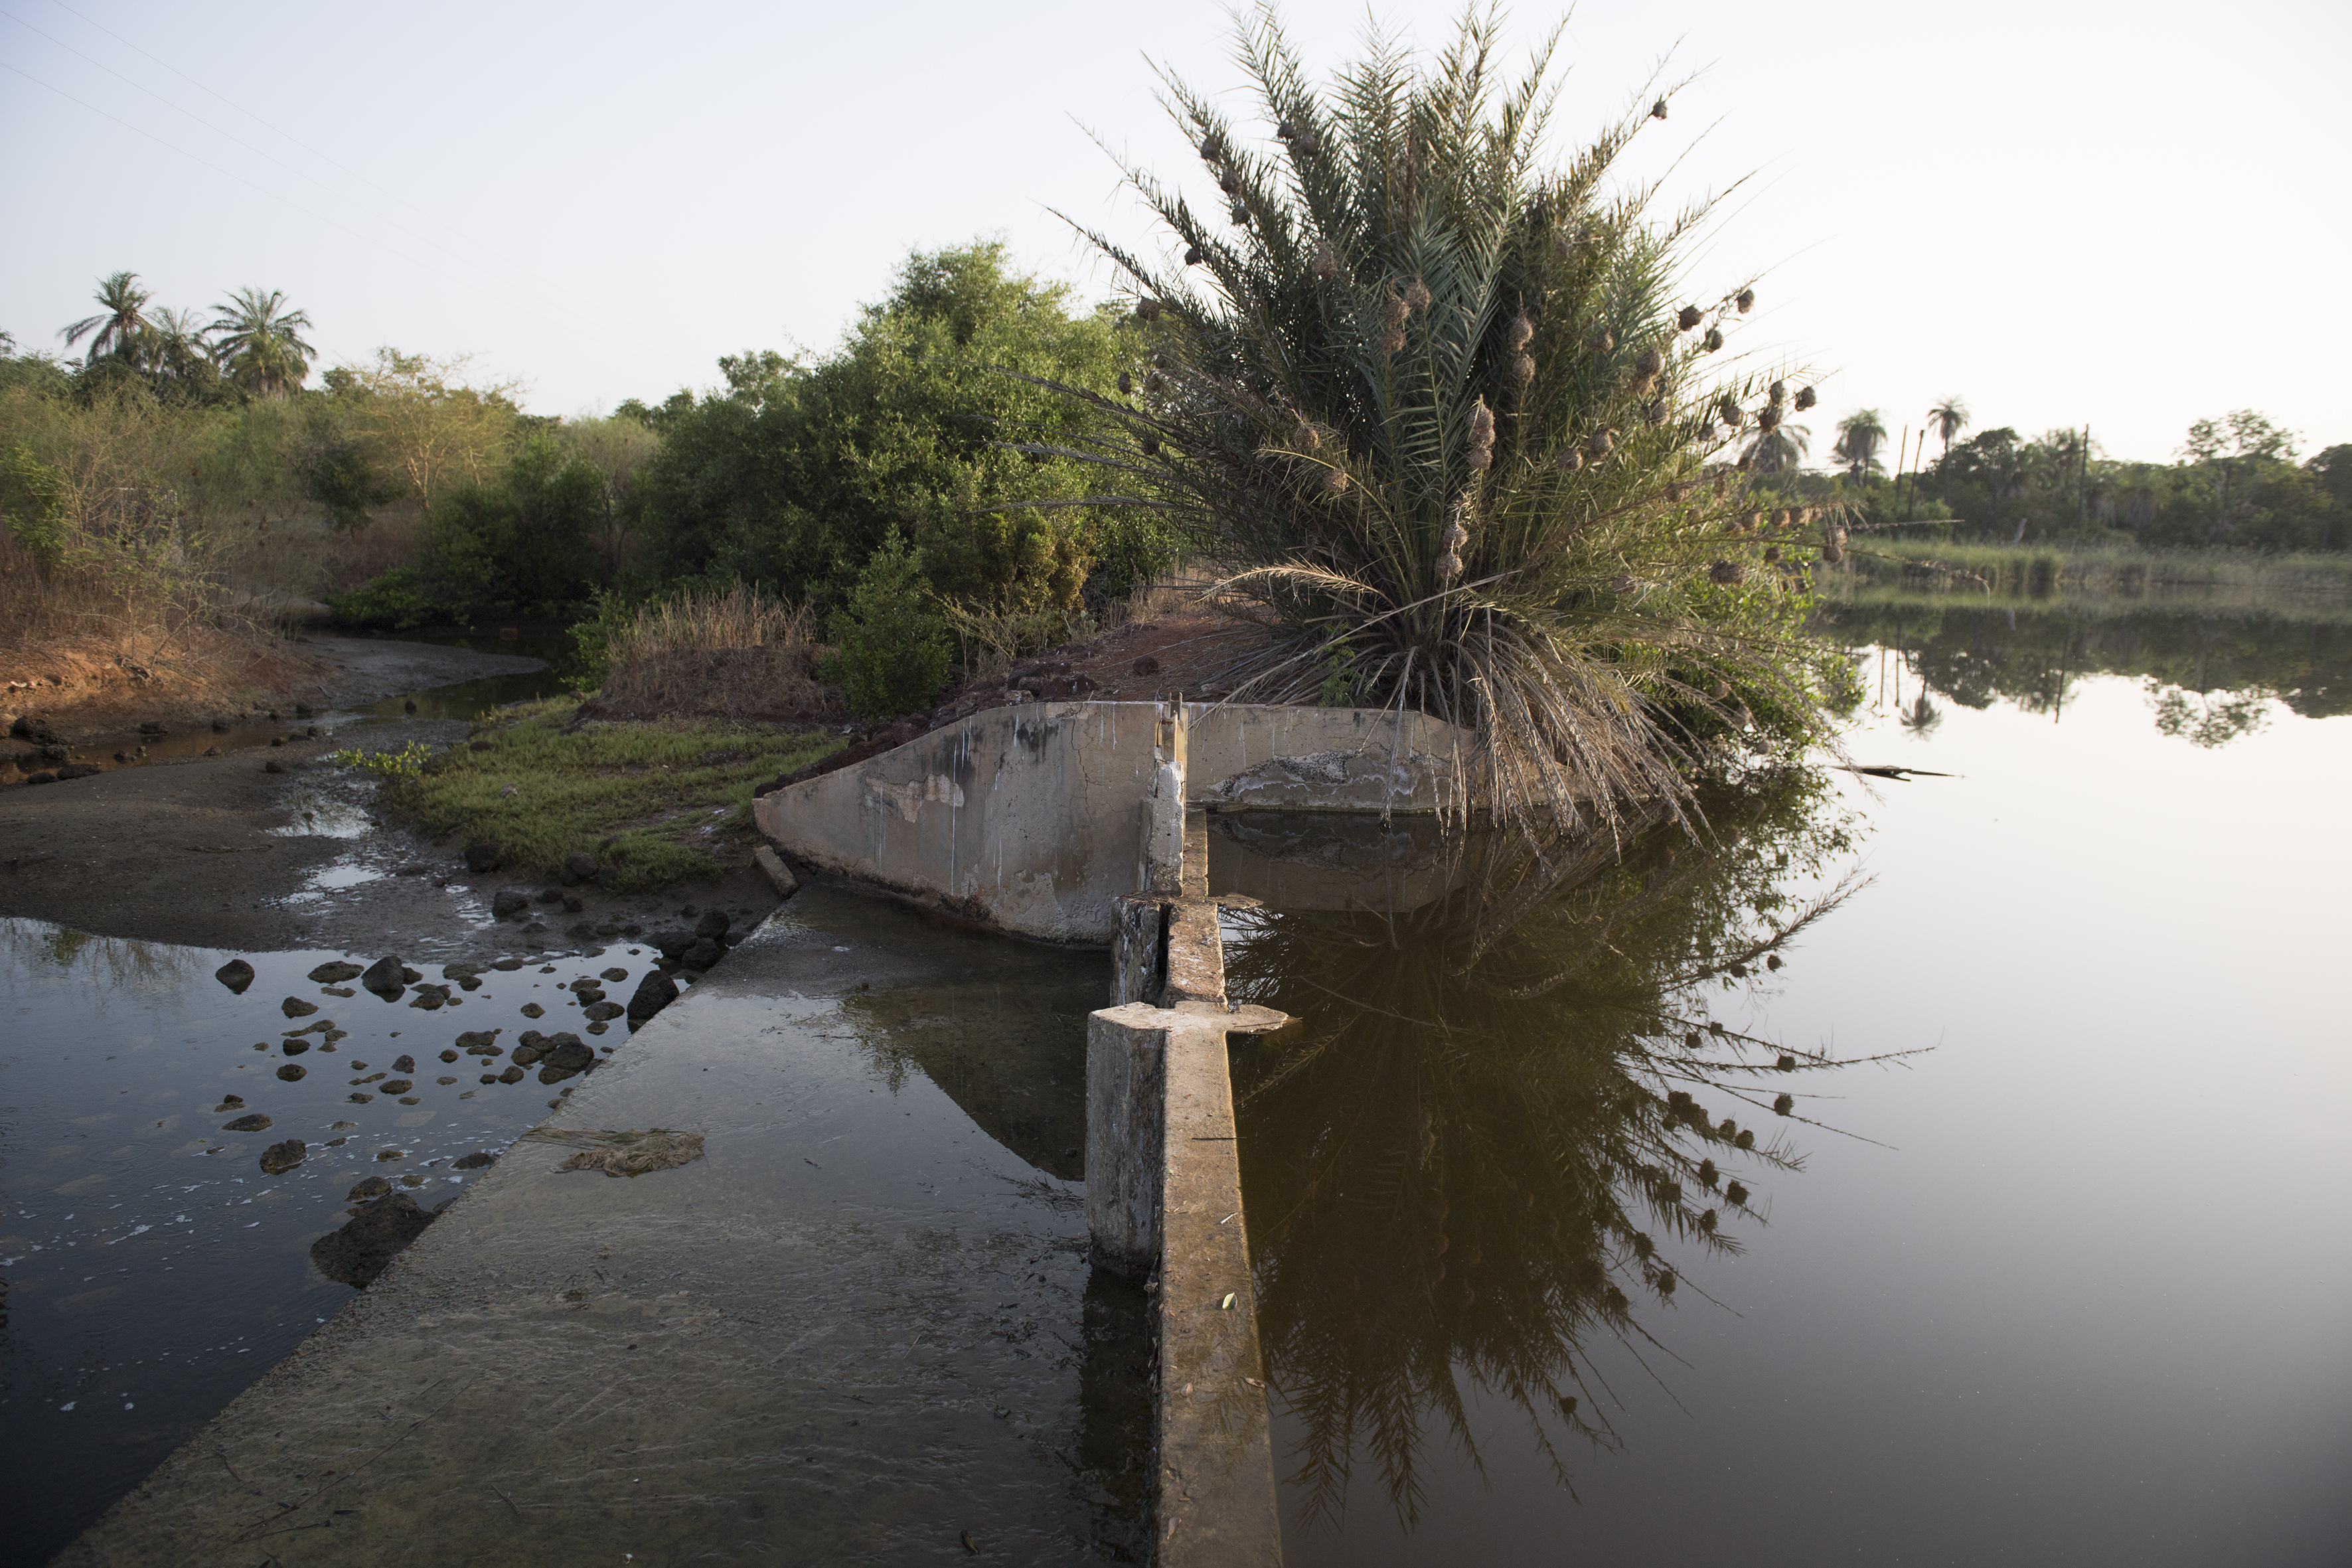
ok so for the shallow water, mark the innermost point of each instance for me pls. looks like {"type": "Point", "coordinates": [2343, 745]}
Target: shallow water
{"type": "Point", "coordinates": [2067, 1287]}
{"type": "Point", "coordinates": [153, 1269]}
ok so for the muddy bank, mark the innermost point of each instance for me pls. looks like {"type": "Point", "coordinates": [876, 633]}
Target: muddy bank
{"type": "Point", "coordinates": [49, 723]}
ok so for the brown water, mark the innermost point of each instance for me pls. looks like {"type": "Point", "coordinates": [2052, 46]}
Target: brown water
{"type": "Point", "coordinates": [2066, 1286]}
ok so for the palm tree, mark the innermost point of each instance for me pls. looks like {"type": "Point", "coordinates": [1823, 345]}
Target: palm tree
{"type": "Point", "coordinates": [1947, 419]}
{"type": "Point", "coordinates": [258, 345]}
{"type": "Point", "coordinates": [121, 328]}
{"type": "Point", "coordinates": [1860, 435]}
{"type": "Point", "coordinates": [1436, 404]}
{"type": "Point", "coordinates": [1779, 449]}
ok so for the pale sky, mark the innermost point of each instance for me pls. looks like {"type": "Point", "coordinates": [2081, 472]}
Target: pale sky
{"type": "Point", "coordinates": [2128, 216]}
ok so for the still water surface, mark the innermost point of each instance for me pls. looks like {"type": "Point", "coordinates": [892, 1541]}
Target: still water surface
{"type": "Point", "coordinates": [2068, 1286]}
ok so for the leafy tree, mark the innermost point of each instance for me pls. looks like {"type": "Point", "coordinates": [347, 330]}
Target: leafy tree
{"type": "Point", "coordinates": [891, 650]}
{"type": "Point", "coordinates": [426, 424]}
{"type": "Point", "coordinates": [258, 343]}
{"type": "Point", "coordinates": [2230, 450]}
{"type": "Point", "coordinates": [795, 473]}
{"type": "Point", "coordinates": [120, 328]}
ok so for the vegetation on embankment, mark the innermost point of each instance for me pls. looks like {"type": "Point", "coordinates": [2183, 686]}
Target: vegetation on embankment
{"type": "Point", "coordinates": [659, 801]}
{"type": "Point", "coordinates": [1957, 567]}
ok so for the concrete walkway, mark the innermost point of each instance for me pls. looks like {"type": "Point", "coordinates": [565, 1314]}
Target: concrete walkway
{"type": "Point", "coordinates": [862, 1328]}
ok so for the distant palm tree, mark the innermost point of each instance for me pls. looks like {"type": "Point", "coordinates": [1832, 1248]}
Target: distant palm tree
{"type": "Point", "coordinates": [1779, 449]}
{"type": "Point", "coordinates": [258, 343]}
{"type": "Point", "coordinates": [121, 328]}
{"type": "Point", "coordinates": [1860, 436]}
{"type": "Point", "coordinates": [1947, 419]}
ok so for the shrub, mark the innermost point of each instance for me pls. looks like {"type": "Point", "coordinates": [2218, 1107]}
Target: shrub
{"type": "Point", "coordinates": [399, 600]}
{"type": "Point", "coordinates": [892, 651]}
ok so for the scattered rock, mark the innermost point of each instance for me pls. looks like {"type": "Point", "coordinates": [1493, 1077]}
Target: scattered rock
{"type": "Point", "coordinates": [280, 1158]}
{"type": "Point", "coordinates": [510, 901]}
{"type": "Point", "coordinates": [256, 1122]}
{"type": "Point", "coordinates": [449, 1055]}
{"type": "Point", "coordinates": [392, 1154]}
{"type": "Point", "coordinates": [569, 1051]}
{"type": "Point", "coordinates": [596, 1013]}
{"type": "Point", "coordinates": [236, 974]}
{"type": "Point", "coordinates": [335, 973]}
{"type": "Point", "coordinates": [294, 1045]}
{"type": "Point", "coordinates": [231, 1100]}
{"type": "Point", "coordinates": [411, 976]}
{"type": "Point", "coordinates": [532, 1010]}
{"type": "Point", "coordinates": [1147, 665]}
{"type": "Point", "coordinates": [507, 964]}
{"type": "Point", "coordinates": [368, 1187]}
{"type": "Point", "coordinates": [612, 974]}
{"type": "Point", "coordinates": [653, 992]}
{"type": "Point", "coordinates": [273, 766]}
{"type": "Point", "coordinates": [713, 924]}
{"type": "Point", "coordinates": [295, 1007]}
{"type": "Point", "coordinates": [551, 895]}
{"type": "Point", "coordinates": [360, 1251]}
{"type": "Point", "coordinates": [404, 1064]}
{"type": "Point", "coordinates": [78, 771]}
{"type": "Point", "coordinates": [512, 1075]}
{"type": "Point", "coordinates": [705, 952]}
{"type": "Point", "coordinates": [149, 728]}
{"type": "Point", "coordinates": [44, 776]}
{"type": "Point", "coordinates": [635, 1153]}
{"type": "Point", "coordinates": [476, 1161]}
{"type": "Point", "coordinates": [387, 977]}
{"type": "Point", "coordinates": [578, 866]}
{"type": "Point", "coordinates": [536, 928]}
{"type": "Point", "coordinates": [481, 855]}
{"type": "Point", "coordinates": [397, 1086]}
{"type": "Point", "coordinates": [430, 997]}
{"type": "Point", "coordinates": [572, 905]}
{"type": "Point", "coordinates": [336, 990]}
{"type": "Point", "coordinates": [292, 1072]}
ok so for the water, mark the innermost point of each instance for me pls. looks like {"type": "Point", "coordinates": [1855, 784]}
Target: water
{"type": "Point", "coordinates": [152, 1268]}
{"type": "Point", "coordinates": [2065, 1286]}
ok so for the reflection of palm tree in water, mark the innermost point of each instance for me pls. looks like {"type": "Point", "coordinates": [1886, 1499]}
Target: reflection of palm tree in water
{"type": "Point", "coordinates": [1506, 1125]}
{"type": "Point", "coordinates": [1919, 716]}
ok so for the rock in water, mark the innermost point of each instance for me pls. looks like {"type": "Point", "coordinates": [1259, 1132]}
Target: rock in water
{"type": "Point", "coordinates": [295, 1007]}
{"type": "Point", "coordinates": [476, 1161]}
{"type": "Point", "coordinates": [654, 992]}
{"type": "Point", "coordinates": [236, 974]}
{"type": "Point", "coordinates": [635, 1153]}
{"type": "Point", "coordinates": [356, 1254]}
{"type": "Point", "coordinates": [292, 1072]}
{"type": "Point", "coordinates": [510, 901]}
{"type": "Point", "coordinates": [368, 1187]}
{"type": "Point", "coordinates": [404, 1064]}
{"type": "Point", "coordinates": [481, 855]}
{"type": "Point", "coordinates": [387, 977]}
{"type": "Point", "coordinates": [713, 925]}
{"type": "Point", "coordinates": [705, 952]}
{"type": "Point", "coordinates": [256, 1122]}
{"type": "Point", "coordinates": [280, 1158]}
{"type": "Point", "coordinates": [598, 1012]}
{"type": "Point", "coordinates": [672, 943]}
{"type": "Point", "coordinates": [335, 973]}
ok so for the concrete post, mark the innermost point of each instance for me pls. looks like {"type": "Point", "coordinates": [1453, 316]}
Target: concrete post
{"type": "Point", "coordinates": [1163, 808]}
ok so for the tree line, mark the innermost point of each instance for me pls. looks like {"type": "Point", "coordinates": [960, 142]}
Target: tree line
{"type": "Point", "coordinates": [2234, 482]}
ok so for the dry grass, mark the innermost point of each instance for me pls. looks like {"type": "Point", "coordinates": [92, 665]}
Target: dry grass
{"type": "Point", "coordinates": [352, 556]}
{"type": "Point", "coordinates": [735, 655]}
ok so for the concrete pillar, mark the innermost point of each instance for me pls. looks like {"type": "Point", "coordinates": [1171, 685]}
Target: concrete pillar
{"type": "Point", "coordinates": [1163, 807]}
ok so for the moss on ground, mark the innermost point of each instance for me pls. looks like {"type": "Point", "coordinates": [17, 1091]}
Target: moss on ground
{"type": "Point", "coordinates": [673, 796]}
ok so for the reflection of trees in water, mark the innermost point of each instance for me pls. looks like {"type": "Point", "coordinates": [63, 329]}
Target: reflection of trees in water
{"type": "Point", "coordinates": [102, 962]}
{"type": "Point", "coordinates": [2033, 658]}
{"type": "Point", "coordinates": [1507, 1122]}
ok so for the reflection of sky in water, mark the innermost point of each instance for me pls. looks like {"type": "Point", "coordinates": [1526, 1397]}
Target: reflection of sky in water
{"type": "Point", "coordinates": [150, 1264]}
{"type": "Point", "coordinates": [2079, 1297]}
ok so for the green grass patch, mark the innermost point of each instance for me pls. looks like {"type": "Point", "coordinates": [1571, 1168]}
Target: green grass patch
{"type": "Point", "coordinates": [673, 796]}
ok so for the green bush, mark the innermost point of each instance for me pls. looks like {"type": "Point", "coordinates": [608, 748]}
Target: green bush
{"type": "Point", "coordinates": [891, 648]}
{"type": "Point", "coordinates": [398, 601]}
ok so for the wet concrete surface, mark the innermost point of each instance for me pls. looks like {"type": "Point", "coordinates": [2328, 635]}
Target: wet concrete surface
{"type": "Point", "coordinates": [860, 1327]}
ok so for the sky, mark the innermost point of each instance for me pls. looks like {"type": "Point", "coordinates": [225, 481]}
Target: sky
{"type": "Point", "coordinates": [2067, 213]}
